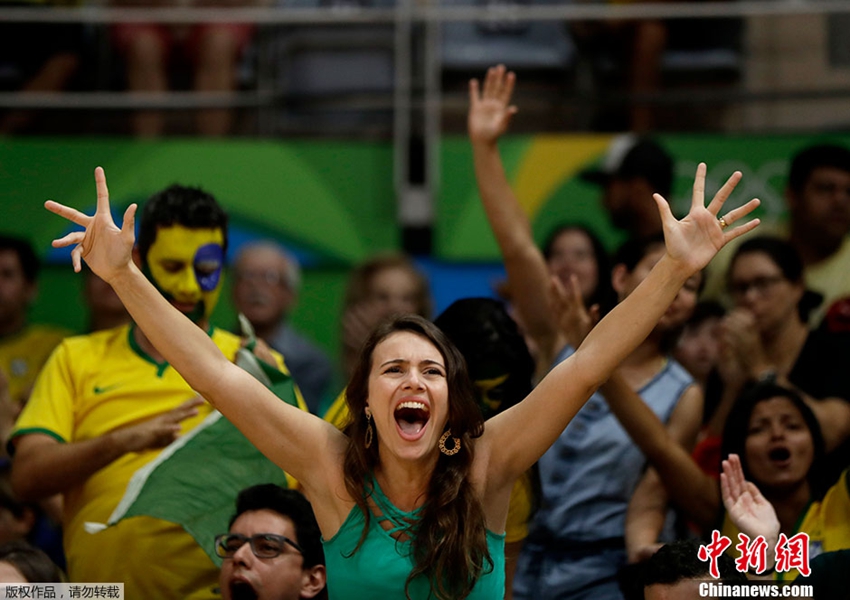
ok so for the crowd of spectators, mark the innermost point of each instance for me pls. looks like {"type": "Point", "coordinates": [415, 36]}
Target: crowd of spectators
{"type": "Point", "coordinates": [736, 398]}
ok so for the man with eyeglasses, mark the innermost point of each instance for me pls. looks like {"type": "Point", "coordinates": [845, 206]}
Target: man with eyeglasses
{"type": "Point", "coordinates": [267, 281]}
{"type": "Point", "coordinates": [273, 550]}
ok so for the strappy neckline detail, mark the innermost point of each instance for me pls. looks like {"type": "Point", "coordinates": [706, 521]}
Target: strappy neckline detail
{"type": "Point", "coordinates": [401, 522]}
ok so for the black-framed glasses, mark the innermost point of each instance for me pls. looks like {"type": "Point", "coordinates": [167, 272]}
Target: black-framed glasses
{"type": "Point", "coordinates": [263, 545]}
{"type": "Point", "coordinates": [761, 285]}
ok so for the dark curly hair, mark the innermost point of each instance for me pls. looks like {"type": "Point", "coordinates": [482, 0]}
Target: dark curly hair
{"type": "Point", "coordinates": [190, 207]}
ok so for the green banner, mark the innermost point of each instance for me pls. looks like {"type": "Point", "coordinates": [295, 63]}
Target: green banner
{"type": "Point", "coordinates": [335, 199]}
{"type": "Point", "coordinates": [544, 175]}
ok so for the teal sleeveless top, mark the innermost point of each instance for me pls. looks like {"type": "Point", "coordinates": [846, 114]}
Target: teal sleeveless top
{"type": "Point", "coordinates": [379, 569]}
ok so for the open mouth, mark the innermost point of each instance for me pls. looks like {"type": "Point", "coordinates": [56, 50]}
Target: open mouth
{"type": "Point", "coordinates": [242, 590]}
{"type": "Point", "coordinates": [780, 455]}
{"type": "Point", "coordinates": [411, 418]}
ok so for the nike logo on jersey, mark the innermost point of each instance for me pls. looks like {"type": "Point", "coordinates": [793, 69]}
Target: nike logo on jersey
{"type": "Point", "coordinates": [102, 390]}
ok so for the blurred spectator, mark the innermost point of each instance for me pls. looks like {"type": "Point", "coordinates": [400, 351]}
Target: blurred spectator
{"type": "Point", "coordinates": [24, 348]}
{"type": "Point", "coordinates": [212, 49]}
{"type": "Point", "coordinates": [267, 282]}
{"type": "Point", "coordinates": [698, 346]}
{"type": "Point", "coordinates": [634, 168]}
{"type": "Point", "coordinates": [675, 571]}
{"type": "Point", "coordinates": [36, 57]}
{"type": "Point", "coordinates": [637, 59]}
{"type": "Point", "coordinates": [38, 524]}
{"type": "Point", "coordinates": [572, 254]}
{"type": "Point", "coordinates": [104, 305]}
{"type": "Point", "coordinates": [631, 51]}
{"type": "Point", "coordinates": [385, 285]}
{"type": "Point", "coordinates": [818, 197]}
{"type": "Point", "coordinates": [776, 441]}
{"type": "Point", "coordinates": [766, 337]}
{"type": "Point", "coordinates": [501, 369]}
{"type": "Point", "coordinates": [698, 350]}
{"type": "Point", "coordinates": [21, 563]}
{"type": "Point", "coordinates": [273, 549]}
{"type": "Point", "coordinates": [837, 318]}
{"type": "Point", "coordinates": [753, 516]}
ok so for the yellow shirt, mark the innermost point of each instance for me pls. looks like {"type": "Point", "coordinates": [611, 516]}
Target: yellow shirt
{"type": "Point", "coordinates": [94, 384]}
{"type": "Point", "coordinates": [830, 277]}
{"type": "Point", "coordinates": [23, 354]}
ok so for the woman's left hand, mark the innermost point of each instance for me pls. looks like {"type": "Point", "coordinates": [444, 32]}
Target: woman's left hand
{"type": "Point", "coordinates": [694, 240]}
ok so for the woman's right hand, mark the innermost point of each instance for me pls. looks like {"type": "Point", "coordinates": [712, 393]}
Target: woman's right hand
{"type": "Point", "coordinates": [106, 248]}
{"type": "Point", "coordinates": [490, 111]}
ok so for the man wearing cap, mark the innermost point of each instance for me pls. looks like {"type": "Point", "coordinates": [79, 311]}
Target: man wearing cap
{"type": "Point", "coordinates": [633, 170]}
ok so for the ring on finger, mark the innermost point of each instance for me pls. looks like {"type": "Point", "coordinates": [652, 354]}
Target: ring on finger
{"type": "Point", "coordinates": [723, 223]}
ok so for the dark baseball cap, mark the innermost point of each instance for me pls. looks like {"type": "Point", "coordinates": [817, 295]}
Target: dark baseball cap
{"type": "Point", "coordinates": [629, 157]}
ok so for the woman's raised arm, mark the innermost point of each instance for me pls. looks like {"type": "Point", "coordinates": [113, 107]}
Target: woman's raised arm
{"type": "Point", "coordinates": [516, 438]}
{"type": "Point", "coordinates": [490, 112]}
{"type": "Point", "coordinates": [300, 443]}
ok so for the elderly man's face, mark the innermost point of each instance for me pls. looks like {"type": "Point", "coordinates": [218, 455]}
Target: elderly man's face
{"type": "Point", "coordinates": [247, 576]}
{"type": "Point", "coordinates": [261, 291]}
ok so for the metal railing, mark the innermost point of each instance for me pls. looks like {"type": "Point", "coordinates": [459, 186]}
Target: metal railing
{"type": "Point", "coordinates": [414, 200]}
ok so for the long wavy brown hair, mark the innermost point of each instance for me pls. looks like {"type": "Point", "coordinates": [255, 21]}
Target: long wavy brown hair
{"type": "Point", "coordinates": [449, 540]}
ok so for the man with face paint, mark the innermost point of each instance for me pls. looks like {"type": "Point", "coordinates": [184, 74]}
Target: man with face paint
{"type": "Point", "coordinates": [107, 403]}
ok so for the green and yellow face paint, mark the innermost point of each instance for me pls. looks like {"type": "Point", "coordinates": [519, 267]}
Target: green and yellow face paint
{"type": "Point", "coordinates": [186, 267]}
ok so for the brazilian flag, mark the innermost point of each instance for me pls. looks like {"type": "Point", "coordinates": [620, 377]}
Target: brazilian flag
{"type": "Point", "coordinates": [195, 480]}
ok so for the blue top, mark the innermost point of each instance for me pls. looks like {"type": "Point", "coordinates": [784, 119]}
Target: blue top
{"type": "Point", "coordinates": [590, 472]}
{"type": "Point", "coordinates": [575, 545]}
{"type": "Point", "coordinates": [379, 569]}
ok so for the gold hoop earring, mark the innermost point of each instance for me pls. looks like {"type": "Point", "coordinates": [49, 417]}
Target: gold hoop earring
{"type": "Point", "coordinates": [369, 432]}
{"type": "Point", "coordinates": [456, 444]}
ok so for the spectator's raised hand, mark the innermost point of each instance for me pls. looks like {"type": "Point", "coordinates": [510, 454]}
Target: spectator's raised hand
{"type": "Point", "coordinates": [157, 432]}
{"type": "Point", "coordinates": [740, 335]}
{"type": "Point", "coordinates": [574, 319]}
{"type": "Point", "coordinates": [105, 248]}
{"type": "Point", "coordinates": [751, 513]}
{"type": "Point", "coordinates": [490, 110]}
{"type": "Point", "coordinates": [694, 240]}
